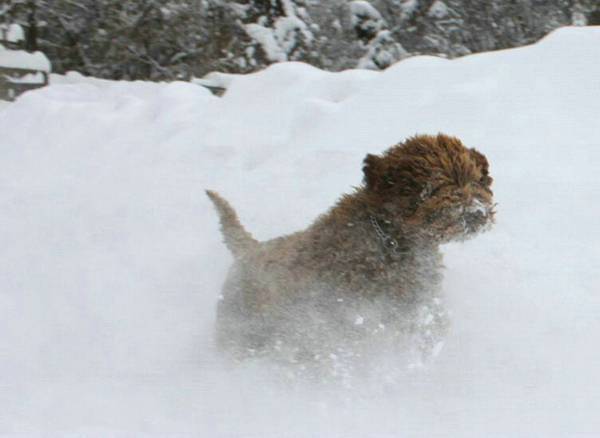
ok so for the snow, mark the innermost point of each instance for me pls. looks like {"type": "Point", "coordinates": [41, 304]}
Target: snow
{"type": "Point", "coordinates": [579, 19]}
{"type": "Point", "coordinates": [382, 51]}
{"type": "Point", "coordinates": [216, 79]}
{"type": "Point", "coordinates": [408, 7]}
{"type": "Point", "coordinates": [30, 78]}
{"type": "Point", "coordinates": [288, 8]}
{"type": "Point", "coordinates": [366, 17]}
{"type": "Point", "coordinates": [287, 33]}
{"type": "Point", "coordinates": [267, 40]}
{"type": "Point", "coordinates": [287, 30]}
{"type": "Point", "coordinates": [438, 9]}
{"type": "Point", "coordinates": [22, 59]}
{"type": "Point", "coordinates": [111, 260]}
{"type": "Point", "coordinates": [12, 33]}
{"type": "Point", "coordinates": [364, 9]}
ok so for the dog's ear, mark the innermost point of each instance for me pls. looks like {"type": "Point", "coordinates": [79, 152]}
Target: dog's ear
{"type": "Point", "coordinates": [373, 171]}
{"type": "Point", "coordinates": [483, 165]}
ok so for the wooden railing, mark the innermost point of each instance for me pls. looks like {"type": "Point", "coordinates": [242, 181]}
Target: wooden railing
{"type": "Point", "coordinates": [14, 81]}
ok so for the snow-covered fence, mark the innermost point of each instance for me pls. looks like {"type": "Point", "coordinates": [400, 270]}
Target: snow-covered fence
{"type": "Point", "coordinates": [15, 81]}
{"type": "Point", "coordinates": [12, 36]}
{"type": "Point", "coordinates": [19, 70]}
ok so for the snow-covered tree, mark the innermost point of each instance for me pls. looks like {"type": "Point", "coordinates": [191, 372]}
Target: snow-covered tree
{"type": "Point", "coordinates": [168, 39]}
{"type": "Point", "coordinates": [366, 20]}
{"type": "Point", "coordinates": [382, 50]}
{"type": "Point", "coordinates": [133, 39]}
{"type": "Point", "coordinates": [282, 30]}
{"type": "Point", "coordinates": [21, 13]}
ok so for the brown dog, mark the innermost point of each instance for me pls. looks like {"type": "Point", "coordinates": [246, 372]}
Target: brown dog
{"type": "Point", "coordinates": [370, 264]}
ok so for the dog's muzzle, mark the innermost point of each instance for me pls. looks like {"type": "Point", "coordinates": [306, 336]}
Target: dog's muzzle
{"type": "Point", "coordinates": [477, 216]}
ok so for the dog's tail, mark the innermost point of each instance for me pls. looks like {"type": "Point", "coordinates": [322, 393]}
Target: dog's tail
{"type": "Point", "coordinates": [237, 239]}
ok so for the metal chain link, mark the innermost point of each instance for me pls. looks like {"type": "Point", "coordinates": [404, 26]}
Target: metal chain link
{"type": "Point", "coordinates": [388, 241]}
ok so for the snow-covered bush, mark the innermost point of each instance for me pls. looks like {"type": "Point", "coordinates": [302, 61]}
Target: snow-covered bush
{"type": "Point", "coordinates": [284, 35]}
{"type": "Point", "coordinates": [438, 9]}
{"type": "Point", "coordinates": [282, 42]}
{"type": "Point", "coordinates": [382, 51]}
{"type": "Point", "coordinates": [178, 39]}
{"type": "Point", "coordinates": [366, 20]}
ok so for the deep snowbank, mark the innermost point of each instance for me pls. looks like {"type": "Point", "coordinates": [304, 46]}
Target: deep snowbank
{"type": "Point", "coordinates": [111, 262]}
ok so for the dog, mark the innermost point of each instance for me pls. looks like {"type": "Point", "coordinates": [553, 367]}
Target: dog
{"type": "Point", "coordinates": [371, 264]}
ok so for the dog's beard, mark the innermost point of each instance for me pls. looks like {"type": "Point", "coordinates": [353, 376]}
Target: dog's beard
{"type": "Point", "coordinates": [461, 222]}
{"type": "Point", "coordinates": [478, 218]}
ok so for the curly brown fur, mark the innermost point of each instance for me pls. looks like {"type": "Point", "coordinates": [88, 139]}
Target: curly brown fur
{"type": "Point", "coordinates": [424, 192]}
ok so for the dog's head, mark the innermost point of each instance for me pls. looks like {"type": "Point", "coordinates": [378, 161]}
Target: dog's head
{"type": "Point", "coordinates": [432, 185]}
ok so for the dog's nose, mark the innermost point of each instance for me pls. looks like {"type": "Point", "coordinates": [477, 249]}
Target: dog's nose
{"type": "Point", "coordinates": [474, 219]}
{"type": "Point", "coordinates": [476, 214]}
{"type": "Point", "coordinates": [476, 207]}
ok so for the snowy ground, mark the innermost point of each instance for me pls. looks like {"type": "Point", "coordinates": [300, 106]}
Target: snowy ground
{"type": "Point", "coordinates": [111, 262]}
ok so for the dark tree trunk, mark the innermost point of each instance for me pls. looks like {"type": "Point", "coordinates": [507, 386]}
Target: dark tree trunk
{"type": "Point", "coordinates": [31, 36]}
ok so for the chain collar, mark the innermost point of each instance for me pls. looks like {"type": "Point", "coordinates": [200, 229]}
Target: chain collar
{"type": "Point", "coordinates": [389, 243]}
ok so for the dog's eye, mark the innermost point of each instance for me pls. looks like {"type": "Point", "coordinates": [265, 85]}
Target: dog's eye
{"type": "Point", "coordinates": [429, 190]}
{"type": "Point", "coordinates": [388, 180]}
{"type": "Point", "coordinates": [485, 184]}
{"type": "Point", "coordinates": [435, 190]}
